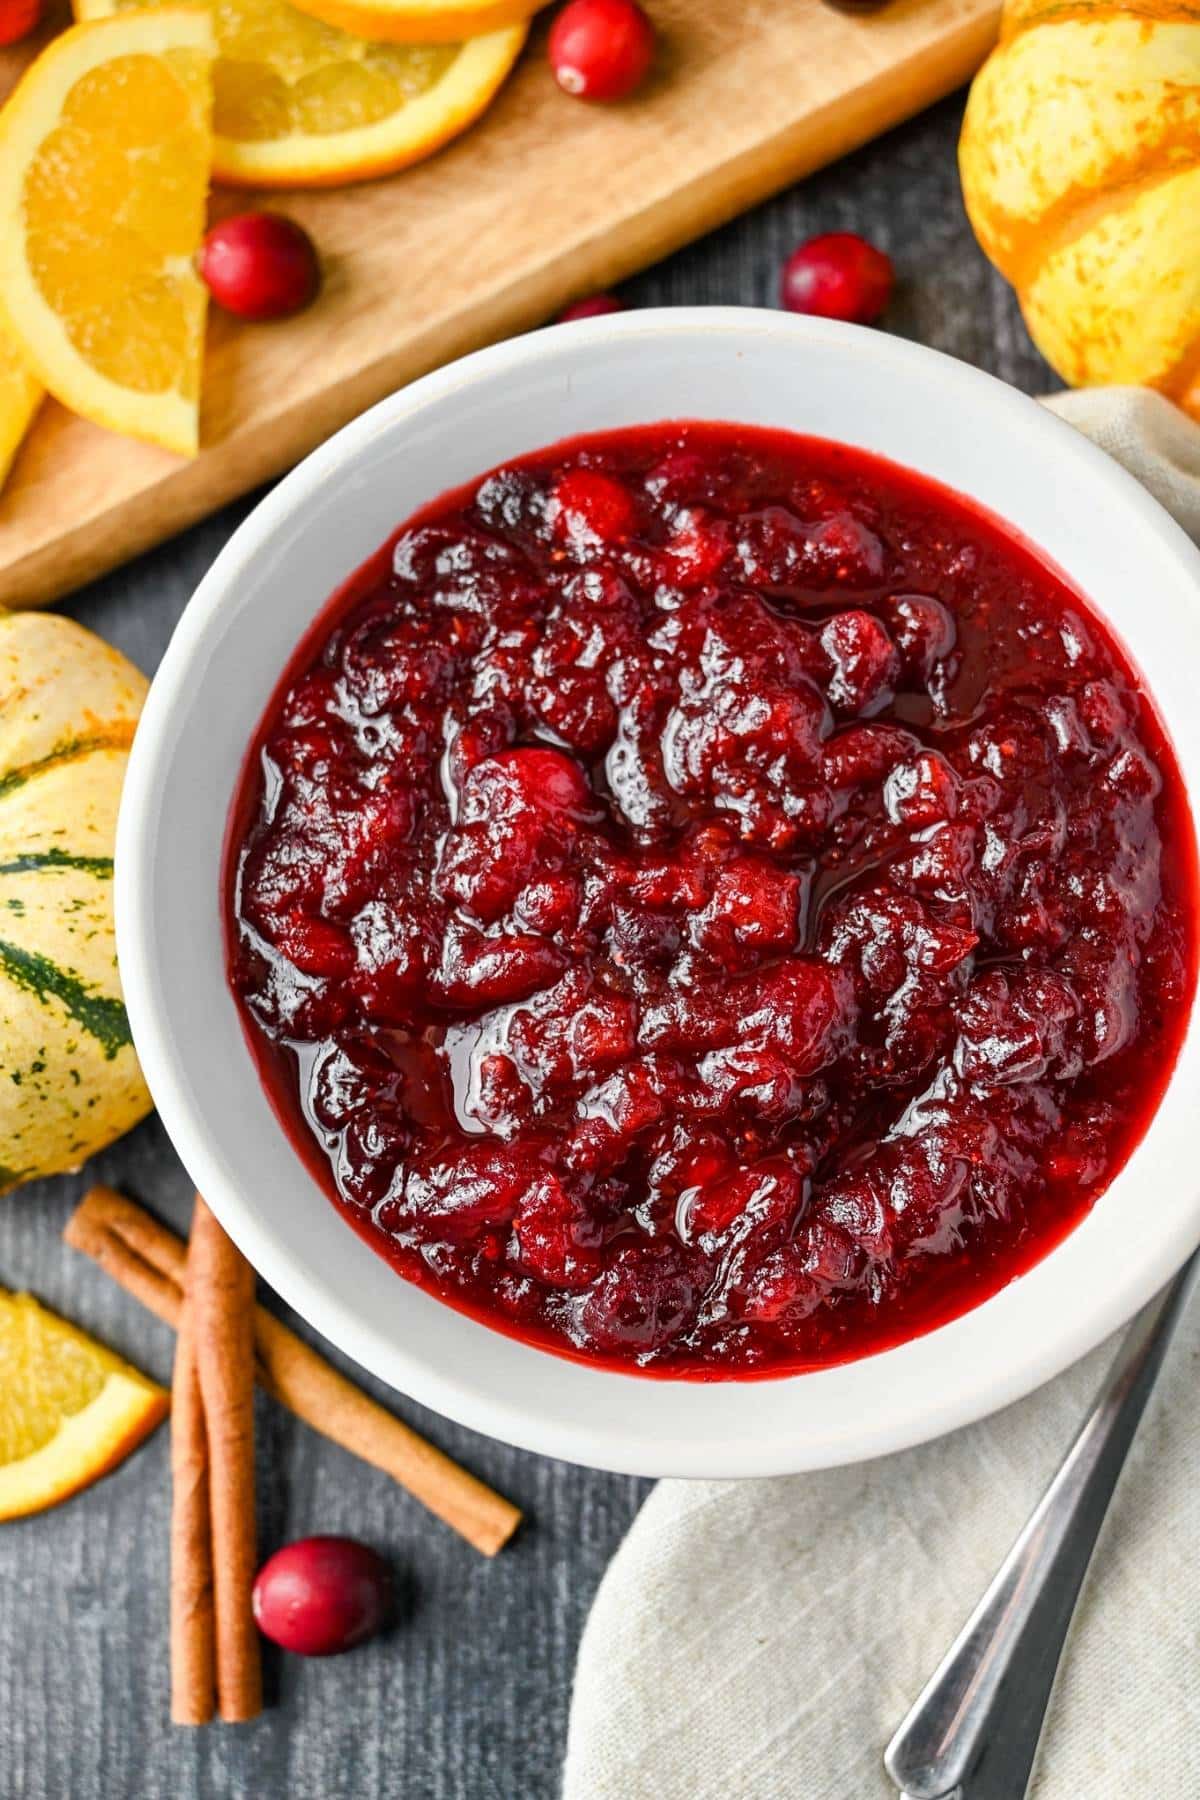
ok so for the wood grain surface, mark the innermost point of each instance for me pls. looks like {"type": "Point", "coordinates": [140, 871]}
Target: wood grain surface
{"type": "Point", "coordinates": [544, 200]}
{"type": "Point", "coordinates": [466, 1699]}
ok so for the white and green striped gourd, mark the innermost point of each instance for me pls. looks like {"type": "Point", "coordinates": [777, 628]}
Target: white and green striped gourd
{"type": "Point", "coordinates": [69, 1079]}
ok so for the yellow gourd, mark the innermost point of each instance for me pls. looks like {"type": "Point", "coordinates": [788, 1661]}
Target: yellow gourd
{"type": "Point", "coordinates": [69, 1079]}
{"type": "Point", "coordinates": [1080, 163]}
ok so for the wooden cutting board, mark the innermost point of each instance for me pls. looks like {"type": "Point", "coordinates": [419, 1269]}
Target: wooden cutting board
{"type": "Point", "coordinates": [544, 200]}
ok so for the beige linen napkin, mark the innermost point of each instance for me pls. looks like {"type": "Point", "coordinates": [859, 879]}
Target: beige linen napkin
{"type": "Point", "coordinates": [761, 1640]}
{"type": "Point", "coordinates": [1150, 437]}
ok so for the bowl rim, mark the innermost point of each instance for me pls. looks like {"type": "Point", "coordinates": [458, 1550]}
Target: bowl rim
{"type": "Point", "coordinates": [967, 1394]}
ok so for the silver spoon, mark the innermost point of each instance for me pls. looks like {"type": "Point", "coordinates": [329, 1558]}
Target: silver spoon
{"type": "Point", "coordinates": [973, 1734]}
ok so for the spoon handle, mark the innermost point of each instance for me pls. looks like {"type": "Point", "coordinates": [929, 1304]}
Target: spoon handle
{"type": "Point", "coordinates": [973, 1733]}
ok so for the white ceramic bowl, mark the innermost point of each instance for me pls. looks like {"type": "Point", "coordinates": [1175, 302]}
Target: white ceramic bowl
{"type": "Point", "coordinates": [907, 403]}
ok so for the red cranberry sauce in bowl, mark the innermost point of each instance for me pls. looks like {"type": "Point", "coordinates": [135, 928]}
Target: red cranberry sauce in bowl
{"type": "Point", "coordinates": [711, 902]}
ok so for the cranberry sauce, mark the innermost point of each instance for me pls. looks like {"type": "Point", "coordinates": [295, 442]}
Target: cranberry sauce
{"type": "Point", "coordinates": [709, 901]}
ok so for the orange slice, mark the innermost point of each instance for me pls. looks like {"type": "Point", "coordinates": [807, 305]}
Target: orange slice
{"type": "Point", "coordinates": [421, 21]}
{"type": "Point", "coordinates": [69, 1409]}
{"type": "Point", "coordinates": [298, 103]}
{"type": "Point", "coordinates": [104, 157]}
{"type": "Point", "coordinates": [20, 397]}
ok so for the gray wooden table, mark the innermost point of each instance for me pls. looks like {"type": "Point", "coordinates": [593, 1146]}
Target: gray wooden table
{"type": "Point", "coordinates": [466, 1698]}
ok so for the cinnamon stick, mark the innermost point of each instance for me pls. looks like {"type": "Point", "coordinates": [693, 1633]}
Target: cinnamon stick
{"type": "Point", "coordinates": [219, 1309]}
{"type": "Point", "coordinates": [193, 1642]}
{"type": "Point", "coordinates": [148, 1261]}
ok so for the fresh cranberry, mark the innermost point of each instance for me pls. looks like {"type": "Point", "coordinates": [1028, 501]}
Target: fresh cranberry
{"type": "Point", "coordinates": [322, 1595]}
{"type": "Point", "coordinates": [260, 265]}
{"type": "Point", "coordinates": [601, 49]}
{"type": "Point", "coordinates": [838, 276]}
{"type": "Point", "coordinates": [18, 18]}
{"type": "Point", "coordinates": [595, 306]}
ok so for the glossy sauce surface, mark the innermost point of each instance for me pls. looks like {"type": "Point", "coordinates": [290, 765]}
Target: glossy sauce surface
{"type": "Point", "coordinates": [712, 902]}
